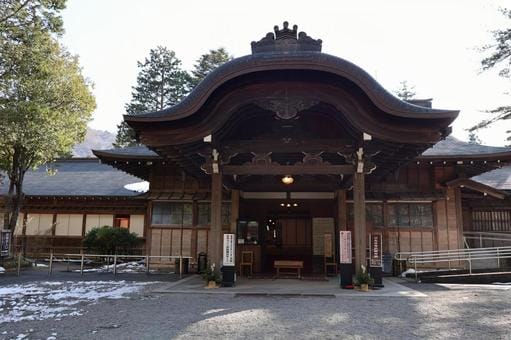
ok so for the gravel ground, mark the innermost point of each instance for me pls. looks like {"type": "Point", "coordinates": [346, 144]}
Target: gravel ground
{"type": "Point", "coordinates": [473, 312]}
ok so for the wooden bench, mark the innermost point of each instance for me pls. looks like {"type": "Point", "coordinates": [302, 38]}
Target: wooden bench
{"type": "Point", "coordinates": [282, 264]}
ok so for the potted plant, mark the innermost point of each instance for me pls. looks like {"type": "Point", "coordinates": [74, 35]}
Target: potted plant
{"type": "Point", "coordinates": [211, 276]}
{"type": "Point", "coordinates": [363, 279]}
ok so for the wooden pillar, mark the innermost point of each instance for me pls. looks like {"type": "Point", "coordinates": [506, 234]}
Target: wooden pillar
{"type": "Point", "coordinates": [359, 214]}
{"type": "Point", "coordinates": [341, 220]}
{"type": "Point", "coordinates": [215, 232]}
{"type": "Point", "coordinates": [235, 209]}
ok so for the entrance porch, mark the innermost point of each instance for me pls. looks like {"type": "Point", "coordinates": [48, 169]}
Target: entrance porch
{"type": "Point", "coordinates": [288, 288]}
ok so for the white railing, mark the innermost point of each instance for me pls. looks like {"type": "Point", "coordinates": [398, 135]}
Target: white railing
{"type": "Point", "coordinates": [481, 237]}
{"type": "Point", "coordinates": [454, 256]}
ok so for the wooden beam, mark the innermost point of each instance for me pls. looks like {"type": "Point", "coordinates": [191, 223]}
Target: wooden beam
{"type": "Point", "coordinates": [293, 145]}
{"type": "Point", "coordinates": [275, 169]}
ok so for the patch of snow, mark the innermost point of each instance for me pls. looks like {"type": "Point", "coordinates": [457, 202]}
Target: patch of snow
{"type": "Point", "coordinates": [44, 300]}
{"type": "Point", "coordinates": [2, 270]}
{"type": "Point", "coordinates": [127, 267]}
{"type": "Point", "coordinates": [141, 187]}
{"type": "Point", "coordinates": [410, 271]}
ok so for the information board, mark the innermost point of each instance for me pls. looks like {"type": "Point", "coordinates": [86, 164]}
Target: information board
{"type": "Point", "coordinates": [328, 245]}
{"type": "Point", "coordinates": [375, 243]}
{"type": "Point", "coordinates": [229, 251]}
{"type": "Point", "coordinates": [345, 246]}
{"type": "Point", "coordinates": [320, 227]}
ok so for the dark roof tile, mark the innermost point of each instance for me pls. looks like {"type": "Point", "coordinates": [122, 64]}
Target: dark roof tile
{"type": "Point", "coordinates": [136, 151]}
{"type": "Point", "coordinates": [76, 177]}
{"type": "Point", "coordinates": [498, 178]}
{"type": "Point", "coordinates": [451, 146]}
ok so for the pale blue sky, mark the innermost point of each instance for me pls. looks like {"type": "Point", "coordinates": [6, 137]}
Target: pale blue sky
{"type": "Point", "coordinates": [431, 44]}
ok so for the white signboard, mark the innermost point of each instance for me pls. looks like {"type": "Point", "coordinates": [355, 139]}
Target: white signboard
{"type": "Point", "coordinates": [229, 252]}
{"type": "Point", "coordinates": [345, 246]}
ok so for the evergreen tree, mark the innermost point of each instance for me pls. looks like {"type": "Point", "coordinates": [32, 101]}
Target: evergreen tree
{"type": "Point", "coordinates": [160, 83]}
{"type": "Point", "coordinates": [500, 59]}
{"type": "Point", "coordinates": [207, 63]}
{"type": "Point", "coordinates": [405, 92]}
{"type": "Point", "coordinates": [473, 138]}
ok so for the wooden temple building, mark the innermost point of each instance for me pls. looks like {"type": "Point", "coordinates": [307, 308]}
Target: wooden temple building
{"type": "Point", "coordinates": [280, 147]}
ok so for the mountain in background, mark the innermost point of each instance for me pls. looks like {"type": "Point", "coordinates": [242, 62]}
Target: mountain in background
{"type": "Point", "coordinates": [94, 139]}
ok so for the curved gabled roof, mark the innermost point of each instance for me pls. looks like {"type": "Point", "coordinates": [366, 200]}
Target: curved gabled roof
{"type": "Point", "coordinates": [288, 73]}
{"type": "Point", "coordinates": [301, 60]}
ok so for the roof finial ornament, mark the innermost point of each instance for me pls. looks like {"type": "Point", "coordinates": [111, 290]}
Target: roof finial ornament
{"type": "Point", "coordinates": [286, 40]}
{"type": "Point", "coordinates": [285, 32]}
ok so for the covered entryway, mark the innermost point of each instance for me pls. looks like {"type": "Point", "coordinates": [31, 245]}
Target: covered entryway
{"type": "Point", "coordinates": [290, 229]}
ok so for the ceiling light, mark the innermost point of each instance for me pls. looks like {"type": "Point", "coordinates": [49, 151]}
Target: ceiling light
{"type": "Point", "coordinates": [287, 179]}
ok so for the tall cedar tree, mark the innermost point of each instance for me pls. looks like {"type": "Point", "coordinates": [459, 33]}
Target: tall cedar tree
{"type": "Point", "coordinates": [45, 102]}
{"type": "Point", "coordinates": [499, 59]}
{"type": "Point", "coordinates": [160, 83]}
{"type": "Point", "coordinates": [207, 63]}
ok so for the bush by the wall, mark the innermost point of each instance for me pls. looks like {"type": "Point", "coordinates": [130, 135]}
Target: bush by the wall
{"type": "Point", "coordinates": [109, 240]}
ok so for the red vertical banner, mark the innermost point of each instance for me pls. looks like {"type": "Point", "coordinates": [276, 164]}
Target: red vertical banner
{"type": "Point", "coordinates": [375, 244]}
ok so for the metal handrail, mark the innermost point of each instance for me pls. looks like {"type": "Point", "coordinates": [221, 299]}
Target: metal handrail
{"type": "Point", "coordinates": [455, 255]}
{"type": "Point", "coordinates": [406, 256]}
{"type": "Point", "coordinates": [505, 234]}
{"type": "Point", "coordinates": [82, 256]}
{"type": "Point", "coordinates": [482, 236]}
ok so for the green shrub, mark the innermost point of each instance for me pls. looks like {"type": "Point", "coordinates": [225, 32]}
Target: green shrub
{"type": "Point", "coordinates": [110, 240]}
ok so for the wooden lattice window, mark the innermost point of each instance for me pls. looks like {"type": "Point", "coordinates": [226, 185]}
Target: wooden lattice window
{"type": "Point", "coordinates": [172, 213]}
{"type": "Point", "coordinates": [410, 215]}
{"type": "Point", "coordinates": [491, 220]}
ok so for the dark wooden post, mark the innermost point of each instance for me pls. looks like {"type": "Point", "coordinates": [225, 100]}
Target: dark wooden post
{"type": "Point", "coordinates": [215, 232]}
{"type": "Point", "coordinates": [341, 224]}
{"type": "Point", "coordinates": [342, 210]}
{"type": "Point", "coordinates": [235, 209]}
{"type": "Point", "coordinates": [359, 214]}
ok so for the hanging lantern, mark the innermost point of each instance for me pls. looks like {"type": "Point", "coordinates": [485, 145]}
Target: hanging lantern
{"type": "Point", "coordinates": [287, 179]}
